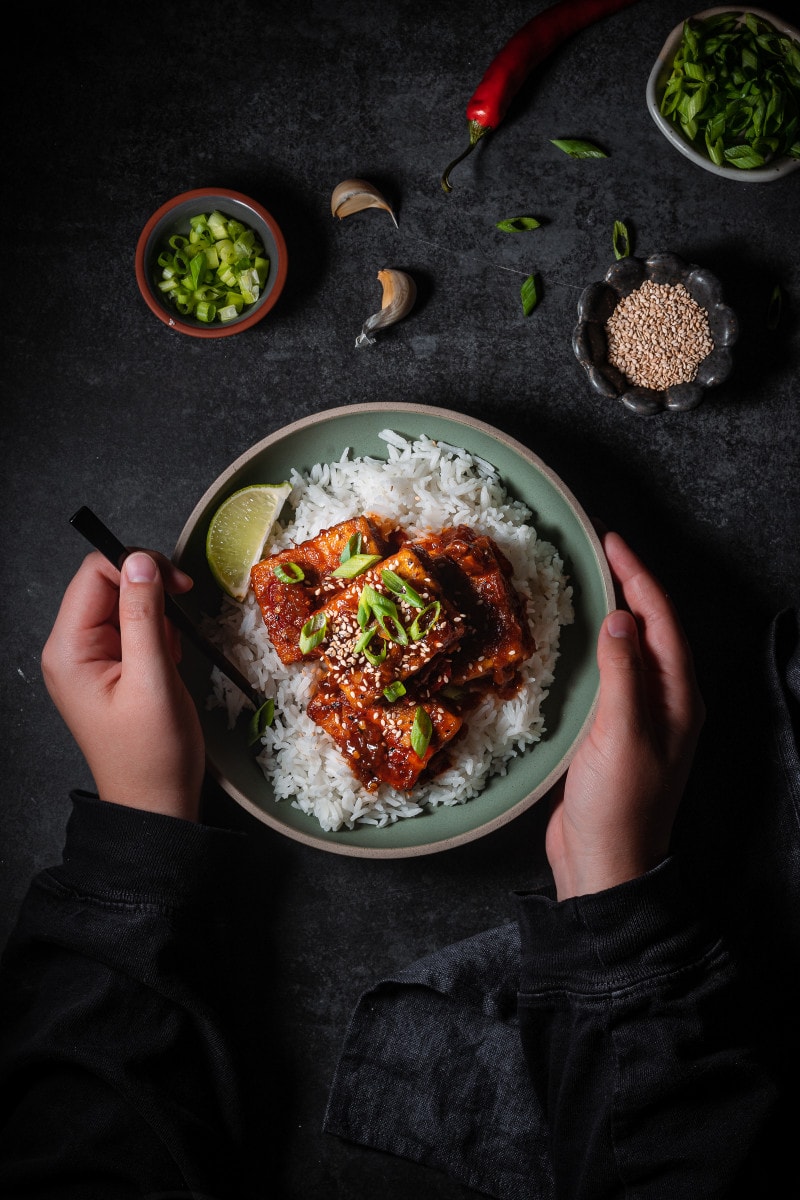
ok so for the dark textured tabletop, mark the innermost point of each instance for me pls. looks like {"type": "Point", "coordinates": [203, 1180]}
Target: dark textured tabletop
{"type": "Point", "coordinates": [106, 117]}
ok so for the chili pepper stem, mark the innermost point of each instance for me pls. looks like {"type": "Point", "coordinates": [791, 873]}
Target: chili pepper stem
{"type": "Point", "coordinates": [476, 132]}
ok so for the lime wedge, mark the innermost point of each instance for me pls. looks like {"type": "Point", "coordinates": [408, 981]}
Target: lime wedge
{"type": "Point", "coordinates": [237, 533]}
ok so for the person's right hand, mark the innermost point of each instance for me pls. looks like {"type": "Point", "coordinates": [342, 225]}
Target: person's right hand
{"type": "Point", "coordinates": [110, 668]}
{"type": "Point", "coordinates": [623, 787]}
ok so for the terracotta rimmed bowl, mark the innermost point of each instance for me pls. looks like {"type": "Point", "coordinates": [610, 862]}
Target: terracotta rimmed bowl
{"type": "Point", "coordinates": [657, 82]}
{"type": "Point", "coordinates": [568, 708]}
{"type": "Point", "coordinates": [597, 303]}
{"type": "Point", "coordinates": [173, 217]}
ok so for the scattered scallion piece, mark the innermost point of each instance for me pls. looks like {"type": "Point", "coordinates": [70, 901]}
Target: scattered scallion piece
{"type": "Point", "coordinates": [517, 224]}
{"type": "Point", "coordinates": [352, 546]}
{"type": "Point", "coordinates": [775, 308]}
{"type": "Point", "coordinates": [372, 602]}
{"type": "Point", "coordinates": [215, 272]}
{"type": "Point", "coordinates": [421, 732]}
{"type": "Point", "coordinates": [288, 572]}
{"type": "Point", "coordinates": [529, 294]}
{"type": "Point", "coordinates": [362, 646]}
{"type": "Point", "coordinates": [578, 148]}
{"type": "Point", "coordinates": [621, 240]}
{"type": "Point", "coordinates": [313, 632]}
{"type": "Point", "coordinates": [355, 565]}
{"type": "Point", "coordinates": [419, 627]}
{"type": "Point", "coordinates": [402, 588]}
{"type": "Point", "coordinates": [394, 691]}
{"type": "Point", "coordinates": [734, 90]}
{"type": "Point", "coordinates": [260, 720]}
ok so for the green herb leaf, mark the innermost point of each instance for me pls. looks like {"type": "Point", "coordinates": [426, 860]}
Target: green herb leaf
{"type": "Point", "coordinates": [421, 732]}
{"type": "Point", "coordinates": [355, 565]}
{"type": "Point", "coordinates": [577, 148]}
{"type": "Point", "coordinates": [517, 224]}
{"type": "Point", "coordinates": [288, 572]}
{"type": "Point", "coordinates": [313, 632]}
{"type": "Point", "coordinates": [775, 308]}
{"type": "Point", "coordinates": [259, 721]}
{"type": "Point", "coordinates": [394, 691]}
{"type": "Point", "coordinates": [529, 294]}
{"type": "Point", "coordinates": [620, 240]}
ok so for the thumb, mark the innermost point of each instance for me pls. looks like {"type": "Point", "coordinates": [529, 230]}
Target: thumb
{"type": "Point", "coordinates": [142, 627]}
{"type": "Point", "coordinates": [623, 700]}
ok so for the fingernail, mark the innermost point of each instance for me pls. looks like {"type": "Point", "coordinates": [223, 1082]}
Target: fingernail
{"type": "Point", "coordinates": [140, 568]}
{"type": "Point", "coordinates": [620, 624]}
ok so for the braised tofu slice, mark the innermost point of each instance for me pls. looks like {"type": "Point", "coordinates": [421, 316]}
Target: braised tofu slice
{"type": "Point", "coordinates": [477, 575]}
{"type": "Point", "coordinates": [375, 741]}
{"type": "Point", "coordinates": [286, 607]}
{"type": "Point", "coordinates": [406, 635]}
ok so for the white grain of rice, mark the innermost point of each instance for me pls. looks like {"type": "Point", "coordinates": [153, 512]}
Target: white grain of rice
{"type": "Point", "coordinates": [421, 485]}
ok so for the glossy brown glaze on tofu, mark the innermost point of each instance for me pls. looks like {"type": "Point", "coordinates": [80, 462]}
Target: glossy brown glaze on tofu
{"type": "Point", "coordinates": [360, 680]}
{"type": "Point", "coordinates": [437, 612]}
{"type": "Point", "coordinates": [286, 607]}
{"type": "Point", "coordinates": [376, 740]}
{"type": "Point", "coordinates": [477, 577]}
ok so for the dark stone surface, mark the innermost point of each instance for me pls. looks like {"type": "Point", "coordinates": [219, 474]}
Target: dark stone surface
{"type": "Point", "coordinates": [107, 117]}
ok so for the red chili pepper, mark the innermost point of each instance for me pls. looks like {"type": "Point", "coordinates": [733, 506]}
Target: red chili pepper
{"type": "Point", "coordinates": [529, 46]}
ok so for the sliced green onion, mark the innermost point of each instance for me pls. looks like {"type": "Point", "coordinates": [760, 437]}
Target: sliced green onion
{"type": "Point", "coordinates": [355, 565]}
{"type": "Point", "coordinates": [620, 240]}
{"type": "Point", "coordinates": [517, 224]}
{"type": "Point", "coordinates": [216, 271]}
{"type": "Point", "coordinates": [529, 294]}
{"type": "Point", "coordinates": [417, 630]}
{"type": "Point", "coordinates": [402, 588]}
{"type": "Point", "coordinates": [259, 721]}
{"type": "Point", "coordinates": [352, 546]}
{"type": "Point", "coordinates": [362, 647]}
{"type": "Point", "coordinates": [394, 691]}
{"type": "Point", "coordinates": [313, 632]}
{"type": "Point", "coordinates": [421, 732]}
{"type": "Point", "coordinates": [288, 572]}
{"type": "Point", "coordinates": [384, 609]}
{"type": "Point", "coordinates": [578, 148]}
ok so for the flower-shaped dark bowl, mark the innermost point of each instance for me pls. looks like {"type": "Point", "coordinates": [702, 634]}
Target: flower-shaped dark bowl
{"type": "Point", "coordinates": [597, 303]}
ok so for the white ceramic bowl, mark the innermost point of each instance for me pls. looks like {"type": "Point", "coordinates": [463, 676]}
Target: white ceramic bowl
{"type": "Point", "coordinates": [657, 82]}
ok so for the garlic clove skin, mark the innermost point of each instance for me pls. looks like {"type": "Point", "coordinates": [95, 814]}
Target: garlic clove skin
{"type": "Point", "coordinates": [354, 195]}
{"type": "Point", "coordinates": [399, 296]}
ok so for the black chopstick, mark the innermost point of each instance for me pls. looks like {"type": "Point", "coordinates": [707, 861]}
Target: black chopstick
{"type": "Point", "coordinates": [101, 537]}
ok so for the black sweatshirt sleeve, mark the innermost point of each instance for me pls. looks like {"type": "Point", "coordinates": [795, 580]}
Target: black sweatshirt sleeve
{"type": "Point", "coordinates": [642, 1045]}
{"type": "Point", "coordinates": [116, 1075]}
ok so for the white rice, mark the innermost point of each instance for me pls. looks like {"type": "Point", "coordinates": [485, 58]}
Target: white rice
{"type": "Point", "coordinates": [422, 485]}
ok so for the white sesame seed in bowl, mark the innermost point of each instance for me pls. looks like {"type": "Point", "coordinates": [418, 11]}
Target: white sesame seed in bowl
{"type": "Point", "coordinates": [655, 333]}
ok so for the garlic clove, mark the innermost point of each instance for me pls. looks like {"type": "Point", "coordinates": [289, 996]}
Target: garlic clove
{"type": "Point", "coordinates": [353, 195]}
{"type": "Point", "coordinates": [399, 295]}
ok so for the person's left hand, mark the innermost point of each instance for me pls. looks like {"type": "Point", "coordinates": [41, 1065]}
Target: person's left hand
{"type": "Point", "coordinates": [110, 668]}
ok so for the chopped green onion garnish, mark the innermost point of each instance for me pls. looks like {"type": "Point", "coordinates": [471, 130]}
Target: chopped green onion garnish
{"type": "Point", "coordinates": [421, 732]}
{"type": "Point", "coordinates": [362, 647]}
{"type": "Point", "coordinates": [288, 572]}
{"type": "Point", "coordinates": [355, 565]}
{"type": "Point", "coordinates": [394, 691]}
{"type": "Point", "coordinates": [383, 609]}
{"type": "Point", "coordinates": [313, 632]}
{"type": "Point", "coordinates": [419, 627]}
{"type": "Point", "coordinates": [620, 240]}
{"type": "Point", "coordinates": [529, 294]}
{"type": "Point", "coordinates": [402, 588]}
{"type": "Point", "coordinates": [577, 148]}
{"type": "Point", "coordinates": [517, 224]}
{"type": "Point", "coordinates": [259, 721]}
{"type": "Point", "coordinates": [353, 546]}
{"type": "Point", "coordinates": [216, 271]}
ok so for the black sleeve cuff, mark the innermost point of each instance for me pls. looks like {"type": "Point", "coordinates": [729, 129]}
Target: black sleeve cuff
{"type": "Point", "coordinates": [613, 938]}
{"type": "Point", "coordinates": [120, 853]}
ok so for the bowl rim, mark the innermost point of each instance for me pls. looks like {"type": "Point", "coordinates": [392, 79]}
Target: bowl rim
{"type": "Point", "coordinates": [173, 321]}
{"type": "Point", "coordinates": [224, 480]}
{"type": "Point", "coordinates": [775, 170]}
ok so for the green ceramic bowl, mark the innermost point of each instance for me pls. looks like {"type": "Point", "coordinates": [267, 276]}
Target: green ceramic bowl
{"type": "Point", "coordinates": [570, 704]}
